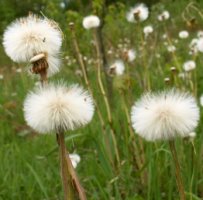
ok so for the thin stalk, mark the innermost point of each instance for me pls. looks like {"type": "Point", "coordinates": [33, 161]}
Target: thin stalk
{"type": "Point", "coordinates": [132, 135]}
{"type": "Point", "coordinates": [75, 178]}
{"type": "Point", "coordinates": [84, 72]}
{"type": "Point", "coordinates": [103, 92]}
{"type": "Point", "coordinates": [65, 175]}
{"type": "Point", "coordinates": [177, 170]}
{"type": "Point", "coordinates": [147, 82]}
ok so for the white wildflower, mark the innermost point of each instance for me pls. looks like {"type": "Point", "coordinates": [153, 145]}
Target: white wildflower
{"type": "Point", "coordinates": [55, 107]}
{"type": "Point", "coordinates": [165, 115]}
{"type": "Point", "coordinates": [189, 65]}
{"type": "Point", "coordinates": [138, 13]}
{"type": "Point", "coordinates": [117, 68]}
{"type": "Point", "coordinates": [91, 21]}
{"type": "Point", "coordinates": [164, 16]}
{"type": "Point", "coordinates": [183, 34]}
{"type": "Point", "coordinates": [1, 76]}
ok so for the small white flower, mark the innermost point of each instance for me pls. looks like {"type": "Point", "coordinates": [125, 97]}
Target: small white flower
{"type": "Point", "coordinates": [91, 21]}
{"type": "Point", "coordinates": [117, 68]}
{"type": "Point", "coordinates": [183, 34]}
{"type": "Point", "coordinates": [131, 54]}
{"type": "Point", "coordinates": [165, 115]}
{"type": "Point", "coordinates": [1, 76]}
{"type": "Point", "coordinates": [75, 159]}
{"type": "Point", "coordinates": [58, 107]}
{"type": "Point", "coordinates": [138, 13]}
{"type": "Point", "coordinates": [164, 16]}
{"type": "Point", "coordinates": [29, 36]}
{"type": "Point", "coordinates": [171, 48]}
{"type": "Point", "coordinates": [189, 65]}
{"type": "Point", "coordinates": [147, 30]}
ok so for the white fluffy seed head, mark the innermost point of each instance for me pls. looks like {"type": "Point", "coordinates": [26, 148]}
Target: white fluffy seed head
{"type": "Point", "coordinates": [171, 48]}
{"type": "Point", "coordinates": [117, 67]}
{"type": "Point", "coordinates": [189, 65]}
{"type": "Point", "coordinates": [183, 34]}
{"type": "Point", "coordinates": [55, 107]}
{"type": "Point", "coordinates": [164, 16]}
{"type": "Point", "coordinates": [147, 30]}
{"type": "Point", "coordinates": [91, 21]}
{"type": "Point", "coordinates": [138, 13]}
{"type": "Point", "coordinates": [29, 36]}
{"type": "Point", "coordinates": [165, 115]}
{"type": "Point", "coordinates": [131, 55]}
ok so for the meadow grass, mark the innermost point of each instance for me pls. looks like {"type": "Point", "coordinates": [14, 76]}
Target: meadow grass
{"type": "Point", "coordinates": [29, 162]}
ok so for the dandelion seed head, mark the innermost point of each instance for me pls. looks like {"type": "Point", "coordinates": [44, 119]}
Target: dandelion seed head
{"type": "Point", "coordinates": [55, 107]}
{"type": "Point", "coordinates": [171, 48]}
{"type": "Point", "coordinates": [164, 16]}
{"type": "Point", "coordinates": [183, 34]}
{"type": "Point", "coordinates": [165, 115]}
{"type": "Point", "coordinates": [193, 46]}
{"type": "Point", "coordinates": [147, 30]}
{"type": "Point", "coordinates": [117, 67]}
{"type": "Point", "coordinates": [131, 54]}
{"type": "Point", "coordinates": [189, 65]}
{"type": "Point", "coordinates": [29, 36]}
{"type": "Point", "coordinates": [91, 21]}
{"type": "Point", "coordinates": [138, 13]}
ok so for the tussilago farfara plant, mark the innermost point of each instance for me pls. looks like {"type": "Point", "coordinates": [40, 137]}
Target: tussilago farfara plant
{"type": "Point", "coordinates": [50, 108]}
{"type": "Point", "coordinates": [166, 116]}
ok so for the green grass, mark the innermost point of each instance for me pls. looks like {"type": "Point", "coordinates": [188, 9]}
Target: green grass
{"type": "Point", "coordinates": [29, 167]}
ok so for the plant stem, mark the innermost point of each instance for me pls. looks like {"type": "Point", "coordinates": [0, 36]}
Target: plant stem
{"type": "Point", "coordinates": [177, 170]}
{"type": "Point", "coordinates": [65, 175]}
{"type": "Point", "coordinates": [106, 102]}
{"type": "Point", "coordinates": [84, 72]}
{"type": "Point", "coordinates": [75, 178]}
